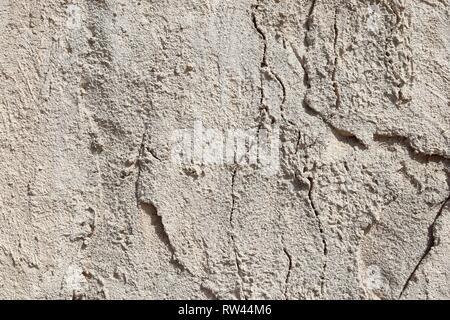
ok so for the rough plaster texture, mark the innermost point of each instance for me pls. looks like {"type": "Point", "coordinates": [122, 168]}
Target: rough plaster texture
{"type": "Point", "coordinates": [93, 207]}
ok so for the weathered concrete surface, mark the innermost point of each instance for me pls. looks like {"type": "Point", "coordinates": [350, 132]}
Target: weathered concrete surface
{"type": "Point", "coordinates": [94, 207]}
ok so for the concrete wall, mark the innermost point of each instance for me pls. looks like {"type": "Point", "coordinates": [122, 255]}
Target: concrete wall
{"type": "Point", "coordinates": [239, 149]}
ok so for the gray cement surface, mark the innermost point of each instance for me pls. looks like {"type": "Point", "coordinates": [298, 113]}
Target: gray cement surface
{"type": "Point", "coordinates": [206, 149]}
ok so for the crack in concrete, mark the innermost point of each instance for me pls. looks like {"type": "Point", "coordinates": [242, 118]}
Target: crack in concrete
{"type": "Point", "coordinates": [337, 92]}
{"type": "Point", "coordinates": [322, 233]}
{"type": "Point", "coordinates": [415, 153]}
{"type": "Point", "coordinates": [430, 245]}
{"type": "Point", "coordinates": [283, 88]}
{"type": "Point", "coordinates": [302, 61]}
{"type": "Point", "coordinates": [266, 71]}
{"type": "Point", "coordinates": [139, 167]}
{"type": "Point", "coordinates": [233, 179]}
{"type": "Point", "coordinates": [151, 210]}
{"type": "Point", "coordinates": [310, 12]}
{"type": "Point", "coordinates": [154, 155]}
{"type": "Point", "coordinates": [340, 134]}
{"type": "Point", "coordinates": [288, 274]}
{"type": "Point", "coordinates": [261, 34]}
{"type": "Point", "coordinates": [237, 261]}
{"type": "Point", "coordinates": [263, 64]}
{"type": "Point", "coordinates": [161, 232]}
{"type": "Point", "coordinates": [289, 259]}
{"type": "Point", "coordinates": [265, 67]}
